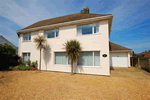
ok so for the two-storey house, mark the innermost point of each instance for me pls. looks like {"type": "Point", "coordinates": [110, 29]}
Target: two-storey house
{"type": "Point", "coordinates": [91, 30]}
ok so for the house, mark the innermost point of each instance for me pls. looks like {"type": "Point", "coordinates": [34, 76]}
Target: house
{"type": "Point", "coordinates": [91, 30]}
{"type": "Point", "coordinates": [145, 54]}
{"type": "Point", "coordinates": [4, 40]}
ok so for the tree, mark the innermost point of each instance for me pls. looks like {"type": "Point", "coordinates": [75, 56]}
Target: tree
{"type": "Point", "coordinates": [40, 44]}
{"type": "Point", "coordinates": [73, 49]}
{"type": "Point", "coordinates": [8, 56]}
{"type": "Point", "coordinates": [134, 54]}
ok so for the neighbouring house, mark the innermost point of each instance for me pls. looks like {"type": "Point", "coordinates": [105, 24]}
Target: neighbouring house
{"type": "Point", "coordinates": [4, 40]}
{"type": "Point", "coordinates": [145, 54]}
{"type": "Point", "coordinates": [91, 30]}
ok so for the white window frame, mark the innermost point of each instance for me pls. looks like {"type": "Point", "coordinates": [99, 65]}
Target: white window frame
{"type": "Point", "coordinates": [93, 60]}
{"type": "Point", "coordinates": [29, 34]}
{"type": "Point", "coordinates": [93, 24]}
{"type": "Point", "coordinates": [54, 33]}
{"type": "Point", "coordinates": [76, 62]}
{"type": "Point", "coordinates": [61, 60]}
{"type": "Point", "coordinates": [27, 55]}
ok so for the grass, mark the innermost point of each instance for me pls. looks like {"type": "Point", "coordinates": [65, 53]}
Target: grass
{"type": "Point", "coordinates": [18, 85]}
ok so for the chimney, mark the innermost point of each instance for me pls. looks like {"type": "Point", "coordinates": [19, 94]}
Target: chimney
{"type": "Point", "coordinates": [86, 10]}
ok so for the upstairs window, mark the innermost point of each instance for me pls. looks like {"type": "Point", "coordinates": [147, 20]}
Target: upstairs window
{"type": "Point", "coordinates": [27, 37]}
{"type": "Point", "coordinates": [88, 29]}
{"type": "Point", "coordinates": [51, 33]}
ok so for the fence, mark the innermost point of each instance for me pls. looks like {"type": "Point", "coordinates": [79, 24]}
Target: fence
{"type": "Point", "coordinates": [141, 62]}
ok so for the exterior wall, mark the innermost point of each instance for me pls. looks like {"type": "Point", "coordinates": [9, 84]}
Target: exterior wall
{"type": "Point", "coordinates": [92, 42]}
{"type": "Point", "coordinates": [124, 58]}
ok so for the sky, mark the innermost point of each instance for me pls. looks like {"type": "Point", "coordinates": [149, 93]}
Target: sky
{"type": "Point", "coordinates": [130, 27]}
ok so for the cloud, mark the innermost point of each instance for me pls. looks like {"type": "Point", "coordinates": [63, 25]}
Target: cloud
{"type": "Point", "coordinates": [129, 13]}
{"type": "Point", "coordinates": [23, 16]}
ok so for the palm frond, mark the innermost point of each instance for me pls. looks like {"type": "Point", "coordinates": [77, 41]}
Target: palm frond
{"type": "Point", "coordinates": [73, 49]}
{"type": "Point", "coordinates": [40, 42]}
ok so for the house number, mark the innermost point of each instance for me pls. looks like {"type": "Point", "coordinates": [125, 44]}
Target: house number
{"type": "Point", "coordinates": [104, 55]}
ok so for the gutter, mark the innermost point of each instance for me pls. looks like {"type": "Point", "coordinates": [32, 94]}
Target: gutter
{"type": "Point", "coordinates": [64, 23]}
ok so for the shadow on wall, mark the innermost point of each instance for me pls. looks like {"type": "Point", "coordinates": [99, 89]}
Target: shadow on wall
{"type": "Point", "coordinates": [111, 63]}
{"type": "Point", "coordinates": [47, 55]}
{"type": "Point", "coordinates": [78, 69]}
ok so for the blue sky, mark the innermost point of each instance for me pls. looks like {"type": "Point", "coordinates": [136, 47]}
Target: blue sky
{"type": "Point", "coordinates": [130, 28]}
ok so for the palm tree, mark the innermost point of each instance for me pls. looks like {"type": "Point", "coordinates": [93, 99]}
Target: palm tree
{"type": "Point", "coordinates": [73, 49]}
{"type": "Point", "coordinates": [40, 44]}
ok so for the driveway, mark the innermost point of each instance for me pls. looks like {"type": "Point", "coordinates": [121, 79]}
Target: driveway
{"type": "Point", "coordinates": [126, 83]}
{"type": "Point", "coordinates": [132, 72]}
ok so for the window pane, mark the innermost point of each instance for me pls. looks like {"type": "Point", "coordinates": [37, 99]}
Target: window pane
{"type": "Point", "coordinates": [79, 31]}
{"type": "Point", "coordinates": [50, 33]}
{"type": "Point", "coordinates": [25, 37]}
{"type": "Point", "coordinates": [87, 30]}
{"type": "Point", "coordinates": [57, 33]}
{"type": "Point", "coordinates": [25, 57]}
{"type": "Point", "coordinates": [28, 56]}
{"type": "Point", "coordinates": [29, 36]}
{"type": "Point", "coordinates": [64, 59]}
{"type": "Point", "coordinates": [57, 58]}
{"type": "Point", "coordinates": [96, 58]}
{"type": "Point", "coordinates": [86, 59]}
{"type": "Point", "coordinates": [60, 58]}
{"type": "Point", "coordinates": [96, 29]}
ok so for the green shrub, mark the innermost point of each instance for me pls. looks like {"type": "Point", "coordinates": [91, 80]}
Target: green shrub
{"type": "Point", "coordinates": [34, 64]}
{"type": "Point", "coordinates": [10, 67]}
{"type": "Point", "coordinates": [28, 63]}
{"type": "Point", "coordinates": [22, 67]}
{"type": "Point", "coordinates": [8, 56]}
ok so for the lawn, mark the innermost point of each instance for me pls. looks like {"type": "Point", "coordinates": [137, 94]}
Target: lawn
{"type": "Point", "coordinates": [129, 83]}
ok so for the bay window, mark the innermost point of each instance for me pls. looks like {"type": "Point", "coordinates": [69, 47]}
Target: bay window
{"type": "Point", "coordinates": [88, 29]}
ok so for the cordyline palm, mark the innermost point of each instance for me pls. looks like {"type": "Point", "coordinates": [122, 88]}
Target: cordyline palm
{"type": "Point", "coordinates": [40, 44]}
{"type": "Point", "coordinates": [73, 49]}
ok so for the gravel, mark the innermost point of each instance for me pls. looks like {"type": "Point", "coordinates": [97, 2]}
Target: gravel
{"type": "Point", "coordinates": [29, 85]}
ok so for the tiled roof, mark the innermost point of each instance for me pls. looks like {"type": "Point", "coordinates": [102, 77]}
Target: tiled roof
{"type": "Point", "coordinates": [67, 18]}
{"type": "Point", "coordinates": [113, 46]}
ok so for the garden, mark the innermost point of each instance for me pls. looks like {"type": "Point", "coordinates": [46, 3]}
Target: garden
{"type": "Point", "coordinates": [11, 61]}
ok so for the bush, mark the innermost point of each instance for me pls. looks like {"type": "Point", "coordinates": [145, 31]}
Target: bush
{"type": "Point", "coordinates": [34, 64]}
{"type": "Point", "coordinates": [28, 63]}
{"type": "Point", "coordinates": [22, 67]}
{"type": "Point", "coordinates": [34, 68]}
{"type": "Point", "coordinates": [10, 68]}
{"type": "Point", "coordinates": [8, 56]}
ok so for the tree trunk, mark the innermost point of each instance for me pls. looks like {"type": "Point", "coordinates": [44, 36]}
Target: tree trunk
{"type": "Point", "coordinates": [40, 62]}
{"type": "Point", "coordinates": [71, 67]}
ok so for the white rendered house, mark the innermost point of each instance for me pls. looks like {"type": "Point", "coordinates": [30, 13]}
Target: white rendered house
{"type": "Point", "coordinates": [91, 30]}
